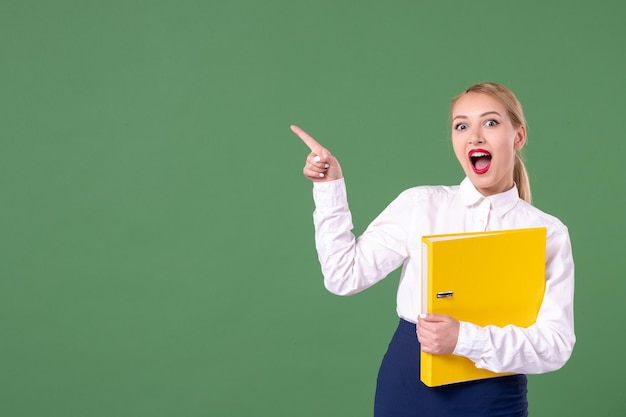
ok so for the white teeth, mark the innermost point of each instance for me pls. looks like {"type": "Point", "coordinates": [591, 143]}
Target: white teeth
{"type": "Point", "coordinates": [479, 154]}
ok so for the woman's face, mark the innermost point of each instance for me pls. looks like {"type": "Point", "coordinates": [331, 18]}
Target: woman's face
{"type": "Point", "coordinates": [485, 142]}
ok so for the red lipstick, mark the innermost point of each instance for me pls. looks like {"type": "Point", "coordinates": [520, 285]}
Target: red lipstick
{"type": "Point", "coordinates": [480, 160]}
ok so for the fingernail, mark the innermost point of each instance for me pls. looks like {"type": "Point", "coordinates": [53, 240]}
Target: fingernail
{"type": "Point", "coordinates": [316, 159]}
{"type": "Point", "coordinates": [321, 174]}
{"type": "Point", "coordinates": [422, 316]}
{"type": "Point", "coordinates": [326, 165]}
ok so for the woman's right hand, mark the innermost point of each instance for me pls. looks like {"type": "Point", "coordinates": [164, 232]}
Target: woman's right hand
{"type": "Point", "coordinates": [320, 164]}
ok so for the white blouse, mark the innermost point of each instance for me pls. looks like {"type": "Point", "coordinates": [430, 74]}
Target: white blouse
{"type": "Point", "coordinates": [351, 264]}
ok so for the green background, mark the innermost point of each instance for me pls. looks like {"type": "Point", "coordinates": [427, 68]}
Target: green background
{"type": "Point", "coordinates": [156, 241]}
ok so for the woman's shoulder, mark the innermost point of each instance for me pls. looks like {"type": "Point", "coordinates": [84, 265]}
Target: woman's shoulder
{"type": "Point", "coordinates": [541, 217]}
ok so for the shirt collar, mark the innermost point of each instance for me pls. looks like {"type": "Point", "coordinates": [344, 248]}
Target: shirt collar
{"type": "Point", "coordinates": [500, 203]}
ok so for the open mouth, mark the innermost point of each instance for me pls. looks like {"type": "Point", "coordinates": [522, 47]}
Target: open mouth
{"type": "Point", "coordinates": [481, 160]}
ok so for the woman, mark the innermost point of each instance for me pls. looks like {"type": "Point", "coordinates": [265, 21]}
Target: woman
{"type": "Point", "coordinates": [488, 132]}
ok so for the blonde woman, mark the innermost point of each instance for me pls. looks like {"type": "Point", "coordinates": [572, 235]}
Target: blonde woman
{"type": "Point", "coordinates": [488, 131]}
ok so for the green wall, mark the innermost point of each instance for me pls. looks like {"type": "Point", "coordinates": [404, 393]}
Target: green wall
{"type": "Point", "coordinates": [156, 241]}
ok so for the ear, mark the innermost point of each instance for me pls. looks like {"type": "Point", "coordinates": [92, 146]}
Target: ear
{"type": "Point", "coordinates": [520, 138]}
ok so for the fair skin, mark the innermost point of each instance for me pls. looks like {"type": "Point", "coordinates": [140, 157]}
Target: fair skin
{"type": "Point", "coordinates": [320, 164]}
{"type": "Point", "coordinates": [481, 128]}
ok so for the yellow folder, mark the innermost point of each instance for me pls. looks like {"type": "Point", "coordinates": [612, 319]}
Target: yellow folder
{"type": "Point", "coordinates": [487, 278]}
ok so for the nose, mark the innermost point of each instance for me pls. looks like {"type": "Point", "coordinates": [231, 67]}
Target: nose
{"type": "Point", "coordinates": [476, 138]}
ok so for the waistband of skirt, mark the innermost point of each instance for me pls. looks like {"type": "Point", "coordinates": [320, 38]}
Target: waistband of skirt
{"type": "Point", "coordinates": [406, 326]}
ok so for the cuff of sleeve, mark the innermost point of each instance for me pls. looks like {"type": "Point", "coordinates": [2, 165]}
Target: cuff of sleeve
{"type": "Point", "coordinates": [471, 341]}
{"type": "Point", "coordinates": [330, 194]}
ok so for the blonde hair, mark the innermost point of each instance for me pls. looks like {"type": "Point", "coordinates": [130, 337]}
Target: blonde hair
{"type": "Point", "coordinates": [516, 114]}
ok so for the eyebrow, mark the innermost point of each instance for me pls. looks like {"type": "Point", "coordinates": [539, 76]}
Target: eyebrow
{"type": "Point", "coordinates": [482, 115]}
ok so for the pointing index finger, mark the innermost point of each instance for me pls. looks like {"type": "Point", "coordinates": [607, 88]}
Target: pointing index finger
{"type": "Point", "coordinates": [307, 139]}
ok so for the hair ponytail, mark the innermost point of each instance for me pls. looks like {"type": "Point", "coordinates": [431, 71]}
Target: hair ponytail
{"type": "Point", "coordinates": [520, 177]}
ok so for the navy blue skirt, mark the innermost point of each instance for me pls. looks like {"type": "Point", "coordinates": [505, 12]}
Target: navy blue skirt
{"type": "Point", "coordinates": [400, 393]}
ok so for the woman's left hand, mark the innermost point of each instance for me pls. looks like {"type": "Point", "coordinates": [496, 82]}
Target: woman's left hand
{"type": "Point", "coordinates": [437, 333]}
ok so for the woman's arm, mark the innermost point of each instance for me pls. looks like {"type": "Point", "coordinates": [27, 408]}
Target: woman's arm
{"type": "Point", "coordinates": [350, 264]}
{"type": "Point", "coordinates": [544, 346]}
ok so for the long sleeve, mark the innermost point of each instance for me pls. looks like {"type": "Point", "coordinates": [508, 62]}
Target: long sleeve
{"type": "Point", "coordinates": [546, 345]}
{"type": "Point", "coordinates": [351, 264]}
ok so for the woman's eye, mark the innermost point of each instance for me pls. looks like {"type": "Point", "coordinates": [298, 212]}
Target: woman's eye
{"type": "Point", "coordinates": [491, 123]}
{"type": "Point", "coordinates": [460, 126]}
